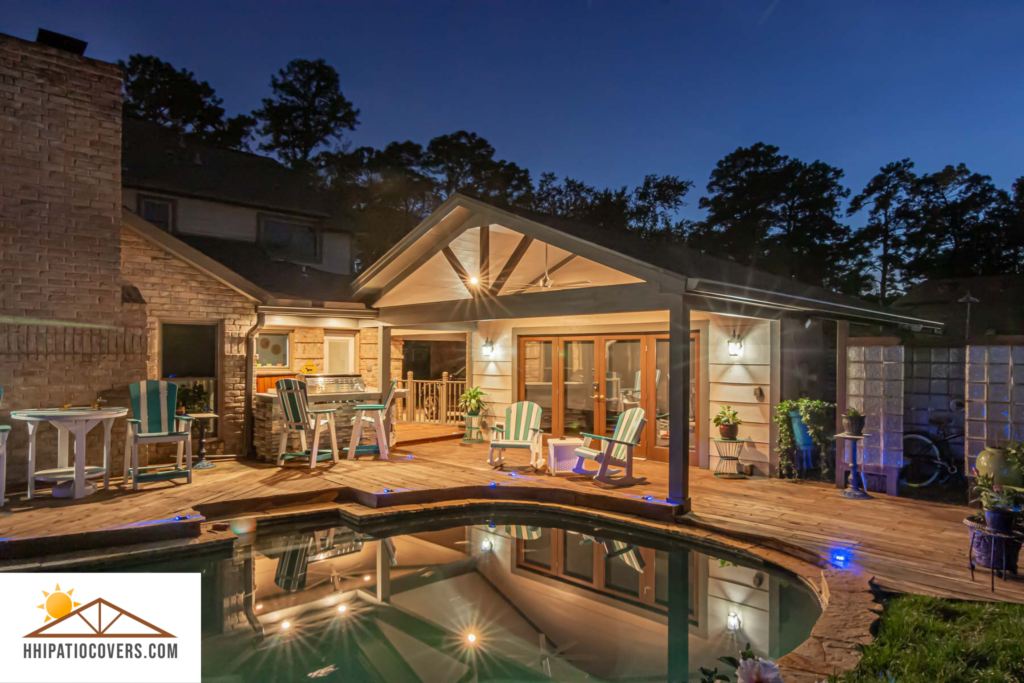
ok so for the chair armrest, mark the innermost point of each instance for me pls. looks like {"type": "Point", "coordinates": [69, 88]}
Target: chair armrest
{"type": "Point", "coordinates": [368, 406]}
{"type": "Point", "coordinates": [499, 427]}
{"type": "Point", "coordinates": [536, 430]}
{"type": "Point", "coordinates": [609, 438]}
{"type": "Point", "coordinates": [133, 421]}
{"type": "Point", "coordinates": [321, 411]}
{"type": "Point", "coordinates": [184, 418]}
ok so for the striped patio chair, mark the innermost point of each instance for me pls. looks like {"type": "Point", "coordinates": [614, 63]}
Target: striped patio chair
{"type": "Point", "coordinates": [523, 532]}
{"type": "Point", "coordinates": [379, 415]}
{"type": "Point", "coordinates": [520, 429]}
{"type": "Point", "coordinates": [628, 553]}
{"type": "Point", "coordinates": [4, 431]}
{"type": "Point", "coordinates": [616, 449]}
{"type": "Point", "coordinates": [298, 417]}
{"type": "Point", "coordinates": [153, 421]}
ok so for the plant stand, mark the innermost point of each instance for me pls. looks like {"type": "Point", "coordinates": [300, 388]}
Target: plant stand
{"type": "Point", "coordinates": [473, 432]}
{"type": "Point", "coordinates": [857, 479]}
{"type": "Point", "coordinates": [1000, 548]}
{"type": "Point", "coordinates": [729, 451]}
{"type": "Point", "coordinates": [202, 463]}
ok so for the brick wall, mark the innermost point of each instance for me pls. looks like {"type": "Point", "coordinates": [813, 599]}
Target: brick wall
{"type": "Point", "coordinates": [368, 341]}
{"type": "Point", "coordinates": [177, 292]}
{"type": "Point", "coordinates": [60, 247]}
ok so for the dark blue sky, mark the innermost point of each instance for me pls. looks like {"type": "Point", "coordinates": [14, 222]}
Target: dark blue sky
{"type": "Point", "coordinates": [609, 91]}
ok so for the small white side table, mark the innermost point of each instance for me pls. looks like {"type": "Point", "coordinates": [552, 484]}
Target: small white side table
{"type": "Point", "coordinates": [561, 458]}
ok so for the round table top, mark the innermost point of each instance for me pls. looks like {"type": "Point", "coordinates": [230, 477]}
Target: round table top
{"type": "Point", "coordinates": [73, 413]}
{"type": "Point", "coordinates": [59, 474]}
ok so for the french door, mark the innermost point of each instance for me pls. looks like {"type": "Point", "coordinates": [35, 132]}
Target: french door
{"type": "Point", "coordinates": [584, 383]}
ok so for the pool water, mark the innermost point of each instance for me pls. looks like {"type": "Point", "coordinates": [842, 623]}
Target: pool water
{"type": "Point", "coordinates": [482, 599]}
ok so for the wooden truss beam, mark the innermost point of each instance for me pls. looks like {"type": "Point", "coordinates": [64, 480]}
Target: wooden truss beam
{"type": "Point", "coordinates": [510, 265]}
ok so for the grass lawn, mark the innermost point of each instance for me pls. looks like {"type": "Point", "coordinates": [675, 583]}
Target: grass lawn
{"type": "Point", "coordinates": [928, 640]}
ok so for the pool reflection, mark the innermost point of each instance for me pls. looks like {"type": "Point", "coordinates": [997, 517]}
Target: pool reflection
{"type": "Point", "coordinates": [487, 602]}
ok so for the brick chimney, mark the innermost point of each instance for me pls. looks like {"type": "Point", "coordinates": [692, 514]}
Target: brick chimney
{"type": "Point", "coordinates": [65, 335]}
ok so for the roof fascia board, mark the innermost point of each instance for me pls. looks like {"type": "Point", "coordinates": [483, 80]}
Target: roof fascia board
{"type": "Point", "coordinates": [193, 256]}
{"type": "Point", "coordinates": [216, 199]}
{"type": "Point", "coordinates": [318, 311]}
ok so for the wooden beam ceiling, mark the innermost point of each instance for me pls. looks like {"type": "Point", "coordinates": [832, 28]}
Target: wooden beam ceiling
{"type": "Point", "coordinates": [510, 265]}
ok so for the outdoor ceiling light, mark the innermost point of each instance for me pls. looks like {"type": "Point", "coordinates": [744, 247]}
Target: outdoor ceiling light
{"type": "Point", "coordinates": [732, 622]}
{"type": "Point", "coordinates": [471, 638]}
{"type": "Point", "coordinates": [735, 345]}
{"type": "Point", "coordinates": [474, 280]}
{"type": "Point", "coordinates": [488, 348]}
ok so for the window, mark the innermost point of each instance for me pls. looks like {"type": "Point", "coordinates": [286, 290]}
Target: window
{"type": "Point", "coordinates": [158, 211]}
{"type": "Point", "coordinates": [339, 354]}
{"type": "Point", "coordinates": [272, 350]}
{"type": "Point", "coordinates": [188, 357]}
{"type": "Point", "coordinates": [290, 240]}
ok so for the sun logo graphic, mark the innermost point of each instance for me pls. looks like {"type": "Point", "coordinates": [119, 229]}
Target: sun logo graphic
{"type": "Point", "coordinates": [66, 618]}
{"type": "Point", "coordinates": [58, 603]}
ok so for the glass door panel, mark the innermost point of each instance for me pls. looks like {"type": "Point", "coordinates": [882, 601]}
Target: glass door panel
{"type": "Point", "coordinates": [537, 363]}
{"type": "Point", "coordinates": [623, 362]}
{"type": "Point", "coordinates": [659, 402]}
{"type": "Point", "coordinates": [580, 390]}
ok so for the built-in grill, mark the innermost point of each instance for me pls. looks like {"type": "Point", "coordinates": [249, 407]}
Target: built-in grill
{"type": "Point", "coordinates": [333, 383]}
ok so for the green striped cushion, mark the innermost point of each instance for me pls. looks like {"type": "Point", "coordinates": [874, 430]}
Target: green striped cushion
{"type": "Point", "coordinates": [520, 419]}
{"type": "Point", "coordinates": [153, 404]}
{"type": "Point", "coordinates": [521, 531]}
{"type": "Point", "coordinates": [629, 554]}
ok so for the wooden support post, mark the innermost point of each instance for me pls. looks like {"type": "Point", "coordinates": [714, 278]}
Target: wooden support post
{"type": "Point", "coordinates": [383, 359]}
{"type": "Point", "coordinates": [679, 616]}
{"type": "Point", "coordinates": [410, 398]}
{"type": "Point", "coordinates": [485, 260]}
{"type": "Point", "coordinates": [383, 572]}
{"type": "Point", "coordinates": [679, 403]}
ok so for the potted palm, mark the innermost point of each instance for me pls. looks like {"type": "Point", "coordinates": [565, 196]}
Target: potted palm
{"type": "Point", "coordinates": [728, 423]}
{"type": "Point", "coordinates": [472, 401]}
{"type": "Point", "coordinates": [853, 422]}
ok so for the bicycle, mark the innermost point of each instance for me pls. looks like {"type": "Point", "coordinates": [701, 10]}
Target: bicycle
{"type": "Point", "coordinates": [928, 457]}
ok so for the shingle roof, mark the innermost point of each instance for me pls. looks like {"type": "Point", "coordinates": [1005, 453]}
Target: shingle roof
{"type": "Point", "coordinates": [999, 309]}
{"type": "Point", "coordinates": [281, 278]}
{"type": "Point", "coordinates": [159, 160]}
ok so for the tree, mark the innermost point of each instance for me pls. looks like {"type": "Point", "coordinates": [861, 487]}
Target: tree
{"type": "Point", "coordinates": [782, 215]}
{"type": "Point", "coordinates": [464, 162]}
{"type": "Point", "coordinates": [887, 198]}
{"type": "Point", "coordinates": [962, 225]}
{"type": "Point", "coordinates": [306, 112]}
{"type": "Point", "coordinates": [155, 91]}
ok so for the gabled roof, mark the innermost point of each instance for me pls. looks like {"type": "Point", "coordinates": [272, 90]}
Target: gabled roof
{"type": "Point", "coordinates": [674, 267]}
{"type": "Point", "coordinates": [999, 308]}
{"type": "Point", "coordinates": [157, 159]}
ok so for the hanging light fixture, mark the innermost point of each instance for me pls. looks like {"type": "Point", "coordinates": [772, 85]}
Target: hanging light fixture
{"type": "Point", "coordinates": [735, 345]}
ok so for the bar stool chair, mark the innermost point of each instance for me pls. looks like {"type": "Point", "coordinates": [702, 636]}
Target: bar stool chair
{"type": "Point", "coordinates": [4, 431]}
{"type": "Point", "coordinates": [378, 415]}
{"type": "Point", "coordinates": [298, 417]}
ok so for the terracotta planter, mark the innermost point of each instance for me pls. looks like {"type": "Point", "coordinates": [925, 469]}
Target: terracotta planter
{"type": "Point", "coordinates": [729, 432]}
{"type": "Point", "coordinates": [993, 461]}
{"type": "Point", "coordinates": [854, 425]}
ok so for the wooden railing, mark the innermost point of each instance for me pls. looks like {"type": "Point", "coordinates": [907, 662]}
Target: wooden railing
{"type": "Point", "coordinates": [432, 401]}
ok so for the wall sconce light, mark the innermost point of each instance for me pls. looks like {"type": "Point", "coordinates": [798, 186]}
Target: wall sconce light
{"type": "Point", "coordinates": [488, 348]}
{"type": "Point", "coordinates": [486, 545]}
{"type": "Point", "coordinates": [732, 622]}
{"type": "Point", "coordinates": [735, 345]}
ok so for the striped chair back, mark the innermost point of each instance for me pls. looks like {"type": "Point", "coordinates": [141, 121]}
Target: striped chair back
{"type": "Point", "coordinates": [520, 419]}
{"type": "Point", "coordinates": [629, 554]}
{"type": "Point", "coordinates": [294, 404]}
{"type": "Point", "coordinates": [153, 404]}
{"type": "Point", "coordinates": [627, 429]}
{"type": "Point", "coordinates": [523, 532]}
{"type": "Point", "coordinates": [1, 396]}
{"type": "Point", "coordinates": [390, 395]}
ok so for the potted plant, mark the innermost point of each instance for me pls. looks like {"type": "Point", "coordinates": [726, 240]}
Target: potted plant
{"type": "Point", "coordinates": [805, 425]}
{"type": "Point", "coordinates": [472, 401]}
{"type": "Point", "coordinates": [1001, 503]}
{"type": "Point", "coordinates": [194, 399]}
{"type": "Point", "coordinates": [853, 422]}
{"type": "Point", "coordinates": [728, 423]}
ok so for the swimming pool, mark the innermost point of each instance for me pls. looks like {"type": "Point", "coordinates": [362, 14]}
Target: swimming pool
{"type": "Point", "coordinates": [481, 598]}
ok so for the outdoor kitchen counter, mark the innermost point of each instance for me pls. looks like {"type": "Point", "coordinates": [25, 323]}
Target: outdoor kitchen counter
{"type": "Point", "coordinates": [267, 420]}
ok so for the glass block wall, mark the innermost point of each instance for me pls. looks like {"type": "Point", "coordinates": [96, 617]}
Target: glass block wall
{"type": "Point", "coordinates": [875, 379]}
{"type": "Point", "coordinates": [995, 397]}
{"type": "Point", "coordinates": [934, 378]}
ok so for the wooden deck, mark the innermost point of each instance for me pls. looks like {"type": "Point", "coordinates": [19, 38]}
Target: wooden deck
{"type": "Point", "coordinates": [904, 545]}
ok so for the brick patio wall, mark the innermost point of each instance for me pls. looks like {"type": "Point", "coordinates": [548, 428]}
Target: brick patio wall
{"type": "Point", "coordinates": [178, 292]}
{"type": "Point", "coordinates": [60, 246]}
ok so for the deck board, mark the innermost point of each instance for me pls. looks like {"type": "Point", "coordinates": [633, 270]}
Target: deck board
{"type": "Point", "coordinates": [904, 544]}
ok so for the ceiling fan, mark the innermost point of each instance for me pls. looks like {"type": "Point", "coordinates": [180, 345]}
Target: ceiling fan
{"type": "Point", "coordinates": [545, 281]}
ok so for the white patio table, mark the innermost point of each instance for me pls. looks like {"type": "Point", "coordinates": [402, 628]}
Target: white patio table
{"type": "Point", "coordinates": [69, 482]}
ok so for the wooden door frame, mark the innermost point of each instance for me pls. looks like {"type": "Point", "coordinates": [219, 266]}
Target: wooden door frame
{"type": "Point", "coordinates": [657, 453]}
